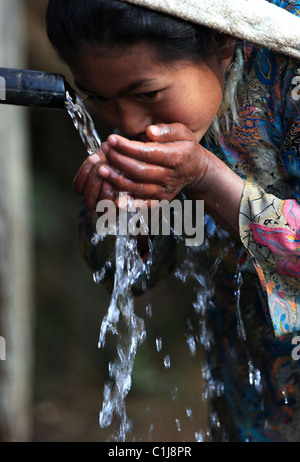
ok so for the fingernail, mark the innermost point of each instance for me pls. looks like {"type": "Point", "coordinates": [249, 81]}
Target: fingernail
{"type": "Point", "coordinates": [112, 140]}
{"type": "Point", "coordinates": [94, 158]}
{"type": "Point", "coordinates": [103, 171]}
{"type": "Point", "coordinates": [155, 130]}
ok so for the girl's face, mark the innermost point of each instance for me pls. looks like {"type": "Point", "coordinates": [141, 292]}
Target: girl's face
{"type": "Point", "coordinates": [132, 88]}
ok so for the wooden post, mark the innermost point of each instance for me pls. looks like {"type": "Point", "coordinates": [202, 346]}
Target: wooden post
{"type": "Point", "coordinates": [15, 241]}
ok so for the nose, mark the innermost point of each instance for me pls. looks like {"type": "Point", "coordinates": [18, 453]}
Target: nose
{"type": "Point", "coordinates": [134, 118]}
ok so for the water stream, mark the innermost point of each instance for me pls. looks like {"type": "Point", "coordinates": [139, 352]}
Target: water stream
{"type": "Point", "coordinates": [129, 329]}
{"type": "Point", "coordinates": [120, 319]}
{"type": "Point", "coordinates": [82, 122]}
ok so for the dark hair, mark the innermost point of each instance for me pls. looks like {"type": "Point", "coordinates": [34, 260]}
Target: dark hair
{"type": "Point", "coordinates": [74, 23]}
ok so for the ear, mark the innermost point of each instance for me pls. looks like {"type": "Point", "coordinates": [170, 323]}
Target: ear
{"type": "Point", "coordinates": [226, 45]}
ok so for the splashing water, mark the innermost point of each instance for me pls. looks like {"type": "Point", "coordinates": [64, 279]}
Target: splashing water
{"type": "Point", "coordinates": [129, 328]}
{"type": "Point", "coordinates": [120, 319]}
{"type": "Point", "coordinates": [205, 289]}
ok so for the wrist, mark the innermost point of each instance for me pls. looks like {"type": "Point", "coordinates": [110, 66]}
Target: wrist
{"type": "Point", "coordinates": [221, 189]}
{"type": "Point", "coordinates": [201, 183]}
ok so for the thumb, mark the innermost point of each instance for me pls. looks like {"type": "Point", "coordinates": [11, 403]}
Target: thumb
{"type": "Point", "coordinates": [167, 133]}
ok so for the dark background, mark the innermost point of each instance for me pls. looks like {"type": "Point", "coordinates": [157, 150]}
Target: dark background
{"type": "Point", "coordinates": [69, 369]}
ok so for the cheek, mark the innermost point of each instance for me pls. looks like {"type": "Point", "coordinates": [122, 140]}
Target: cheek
{"type": "Point", "coordinates": [198, 112]}
{"type": "Point", "coordinates": [195, 105]}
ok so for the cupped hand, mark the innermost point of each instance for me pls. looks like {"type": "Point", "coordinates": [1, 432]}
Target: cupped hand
{"type": "Point", "coordinates": [89, 183]}
{"type": "Point", "coordinates": [171, 161]}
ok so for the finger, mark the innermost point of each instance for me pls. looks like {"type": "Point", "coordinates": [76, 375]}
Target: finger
{"type": "Point", "coordinates": [82, 176]}
{"type": "Point", "coordinates": [169, 133]}
{"type": "Point", "coordinates": [162, 154]}
{"type": "Point", "coordinates": [108, 192]}
{"type": "Point", "coordinates": [102, 153]}
{"type": "Point", "coordinates": [136, 170]}
{"type": "Point", "coordinates": [122, 183]}
{"type": "Point", "coordinates": [92, 189]}
{"type": "Point", "coordinates": [127, 202]}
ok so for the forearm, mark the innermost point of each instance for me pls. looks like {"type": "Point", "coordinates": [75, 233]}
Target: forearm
{"type": "Point", "coordinates": [175, 162]}
{"type": "Point", "coordinates": [221, 189]}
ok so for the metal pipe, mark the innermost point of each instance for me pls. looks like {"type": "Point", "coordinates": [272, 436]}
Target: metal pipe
{"type": "Point", "coordinates": [32, 88]}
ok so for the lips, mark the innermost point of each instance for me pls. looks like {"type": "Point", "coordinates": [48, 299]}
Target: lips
{"type": "Point", "coordinates": [142, 137]}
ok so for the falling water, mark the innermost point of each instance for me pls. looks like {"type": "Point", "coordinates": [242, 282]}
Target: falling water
{"type": "Point", "coordinates": [205, 289]}
{"type": "Point", "coordinates": [82, 122]}
{"type": "Point", "coordinates": [129, 329]}
{"type": "Point", "coordinates": [120, 319]}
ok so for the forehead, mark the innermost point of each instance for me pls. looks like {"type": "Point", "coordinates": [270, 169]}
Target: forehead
{"type": "Point", "coordinates": [139, 56]}
{"type": "Point", "coordinates": [109, 65]}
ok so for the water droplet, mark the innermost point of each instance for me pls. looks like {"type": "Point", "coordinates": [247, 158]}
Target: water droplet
{"type": "Point", "coordinates": [284, 394]}
{"type": "Point", "coordinates": [214, 420]}
{"type": "Point", "coordinates": [254, 377]}
{"type": "Point", "coordinates": [189, 413]}
{"type": "Point", "coordinates": [174, 393]}
{"type": "Point", "coordinates": [151, 428]}
{"type": "Point", "coordinates": [98, 276]}
{"type": "Point", "coordinates": [266, 425]}
{"type": "Point", "coordinates": [191, 344]}
{"type": "Point", "coordinates": [200, 437]}
{"type": "Point", "coordinates": [142, 338]}
{"type": "Point", "coordinates": [106, 414]}
{"type": "Point", "coordinates": [96, 239]}
{"type": "Point", "coordinates": [158, 342]}
{"type": "Point", "coordinates": [149, 310]}
{"type": "Point", "coordinates": [238, 282]}
{"type": "Point", "coordinates": [178, 425]}
{"type": "Point", "coordinates": [167, 362]}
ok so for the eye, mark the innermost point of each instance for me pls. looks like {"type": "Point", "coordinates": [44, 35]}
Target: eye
{"type": "Point", "coordinates": [148, 96]}
{"type": "Point", "coordinates": [97, 99]}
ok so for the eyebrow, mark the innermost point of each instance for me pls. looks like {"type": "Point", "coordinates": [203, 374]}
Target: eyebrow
{"type": "Point", "coordinates": [133, 86]}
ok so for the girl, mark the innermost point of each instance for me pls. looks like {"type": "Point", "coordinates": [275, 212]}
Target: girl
{"type": "Point", "coordinates": [217, 119]}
